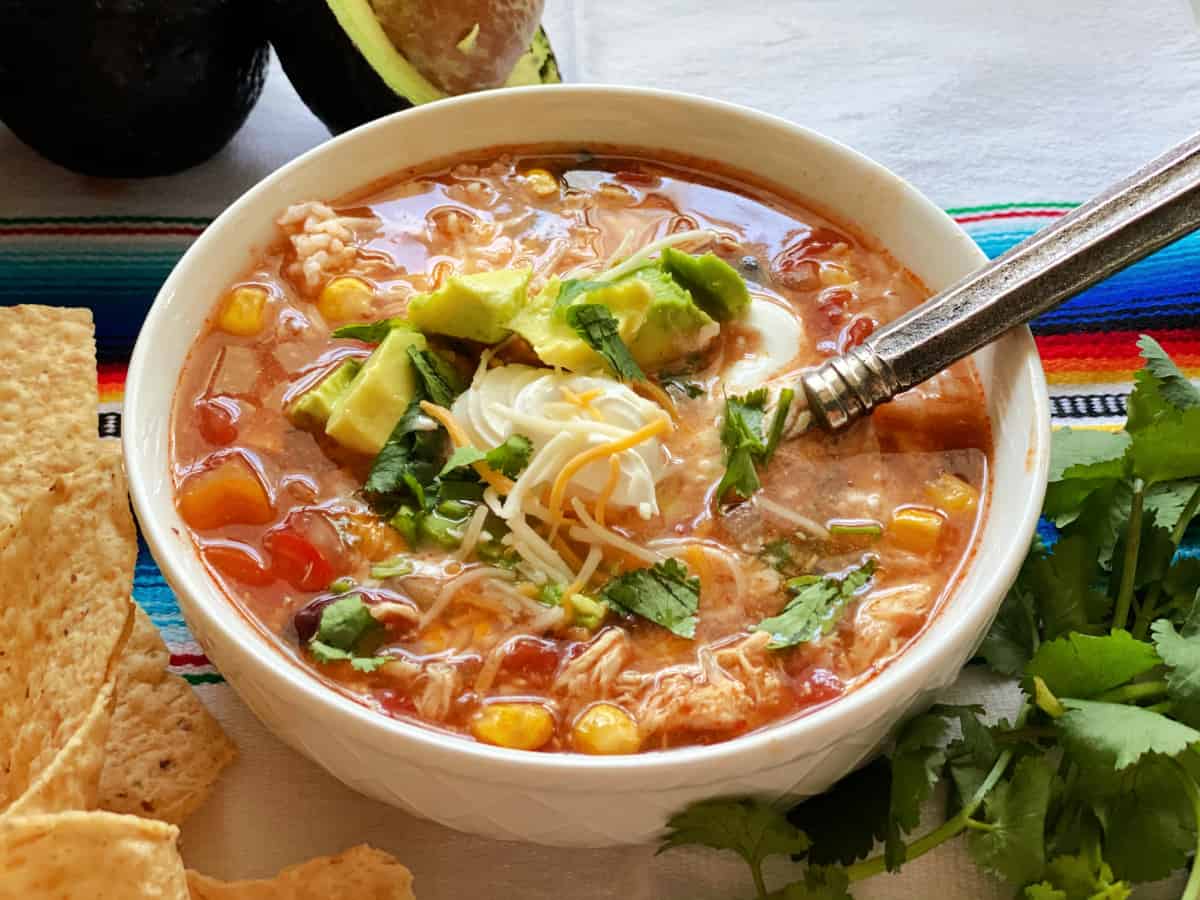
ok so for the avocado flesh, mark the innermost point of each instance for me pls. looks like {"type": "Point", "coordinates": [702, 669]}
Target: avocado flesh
{"type": "Point", "coordinates": [363, 417]}
{"type": "Point", "coordinates": [473, 307]}
{"type": "Point", "coordinates": [348, 72]}
{"type": "Point", "coordinates": [312, 409]}
{"type": "Point", "coordinates": [467, 45]}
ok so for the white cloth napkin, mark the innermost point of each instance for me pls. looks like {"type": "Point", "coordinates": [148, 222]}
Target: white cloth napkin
{"type": "Point", "coordinates": [974, 102]}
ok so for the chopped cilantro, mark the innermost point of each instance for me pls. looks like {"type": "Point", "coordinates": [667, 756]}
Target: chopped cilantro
{"type": "Point", "coordinates": [598, 328]}
{"type": "Point", "coordinates": [344, 624]}
{"type": "Point", "coordinates": [440, 379]}
{"type": "Point", "coordinates": [369, 332]}
{"type": "Point", "coordinates": [1085, 665]}
{"type": "Point", "coordinates": [392, 568]}
{"type": "Point", "coordinates": [509, 458]}
{"type": "Point", "coordinates": [817, 602]}
{"type": "Point", "coordinates": [663, 593]}
{"type": "Point", "coordinates": [461, 458]}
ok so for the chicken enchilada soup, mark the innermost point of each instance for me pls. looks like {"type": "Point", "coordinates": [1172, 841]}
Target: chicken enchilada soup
{"type": "Point", "coordinates": [504, 448]}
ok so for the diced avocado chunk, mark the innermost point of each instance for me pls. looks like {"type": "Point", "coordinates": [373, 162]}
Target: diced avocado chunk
{"type": "Point", "coordinates": [364, 416]}
{"type": "Point", "coordinates": [715, 285]}
{"type": "Point", "coordinates": [656, 319]}
{"type": "Point", "coordinates": [474, 307]}
{"type": "Point", "coordinates": [311, 410]}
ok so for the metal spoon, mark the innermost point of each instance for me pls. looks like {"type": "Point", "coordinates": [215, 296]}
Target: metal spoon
{"type": "Point", "coordinates": [1146, 211]}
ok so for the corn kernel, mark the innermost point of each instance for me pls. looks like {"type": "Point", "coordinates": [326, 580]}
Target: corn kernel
{"type": "Point", "coordinates": [244, 311]}
{"type": "Point", "coordinates": [541, 182]}
{"type": "Point", "coordinates": [605, 729]}
{"type": "Point", "coordinates": [951, 494]}
{"type": "Point", "coordinates": [916, 528]}
{"type": "Point", "coordinates": [518, 726]}
{"type": "Point", "coordinates": [832, 274]}
{"type": "Point", "coordinates": [345, 299]}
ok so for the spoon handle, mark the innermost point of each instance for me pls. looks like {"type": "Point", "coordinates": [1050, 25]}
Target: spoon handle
{"type": "Point", "coordinates": [1152, 207]}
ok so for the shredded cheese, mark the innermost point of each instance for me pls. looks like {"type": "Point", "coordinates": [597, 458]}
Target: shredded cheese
{"type": "Point", "coordinates": [471, 534]}
{"type": "Point", "coordinates": [583, 401]}
{"type": "Point", "coordinates": [656, 394]}
{"type": "Point", "coordinates": [591, 532]}
{"type": "Point", "coordinates": [577, 462]}
{"type": "Point", "coordinates": [614, 474]}
{"type": "Point", "coordinates": [446, 419]}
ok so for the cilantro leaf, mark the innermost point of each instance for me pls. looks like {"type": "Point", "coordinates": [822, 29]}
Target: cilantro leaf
{"type": "Point", "coordinates": [1011, 641]}
{"type": "Point", "coordinates": [570, 289]}
{"type": "Point", "coordinates": [409, 460]}
{"type": "Point", "coordinates": [1062, 581]}
{"type": "Point", "coordinates": [742, 438]}
{"type": "Point", "coordinates": [1167, 500]}
{"type": "Point", "coordinates": [440, 379]}
{"type": "Point", "coordinates": [511, 457]}
{"type": "Point", "coordinates": [1182, 657]}
{"type": "Point", "coordinates": [1173, 385]}
{"type": "Point", "coordinates": [1148, 824]}
{"type": "Point", "coordinates": [1080, 453]}
{"type": "Point", "coordinates": [753, 829]}
{"type": "Point", "coordinates": [663, 593]}
{"type": "Point", "coordinates": [818, 602]}
{"type": "Point", "coordinates": [598, 328]}
{"type": "Point", "coordinates": [1124, 733]}
{"type": "Point", "coordinates": [368, 664]}
{"type": "Point", "coordinates": [1014, 847]}
{"type": "Point", "coordinates": [840, 838]}
{"type": "Point", "coordinates": [819, 883]}
{"type": "Point", "coordinates": [369, 332]}
{"type": "Point", "coordinates": [1079, 877]}
{"type": "Point", "coordinates": [1168, 449]}
{"type": "Point", "coordinates": [344, 622]}
{"type": "Point", "coordinates": [917, 763]}
{"type": "Point", "coordinates": [461, 458]}
{"type": "Point", "coordinates": [1084, 665]}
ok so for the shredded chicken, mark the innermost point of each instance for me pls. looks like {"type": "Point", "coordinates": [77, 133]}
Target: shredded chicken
{"type": "Point", "coordinates": [718, 694]}
{"type": "Point", "coordinates": [437, 686]}
{"type": "Point", "coordinates": [592, 674]}
{"type": "Point", "coordinates": [884, 622]}
{"type": "Point", "coordinates": [324, 241]}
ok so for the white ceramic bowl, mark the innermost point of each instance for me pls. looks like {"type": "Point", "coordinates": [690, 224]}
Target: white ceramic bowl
{"type": "Point", "coordinates": [567, 799]}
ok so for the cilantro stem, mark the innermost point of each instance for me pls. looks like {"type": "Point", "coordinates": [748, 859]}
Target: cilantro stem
{"type": "Point", "coordinates": [1141, 625]}
{"type": "Point", "coordinates": [1133, 692]}
{"type": "Point", "coordinates": [1185, 517]}
{"type": "Point", "coordinates": [976, 825]}
{"type": "Point", "coordinates": [1133, 540]}
{"type": "Point", "coordinates": [760, 886]}
{"type": "Point", "coordinates": [953, 826]}
{"type": "Point", "coordinates": [1192, 890]}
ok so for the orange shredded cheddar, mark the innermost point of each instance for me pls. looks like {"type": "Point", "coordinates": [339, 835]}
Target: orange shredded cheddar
{"type": "Point", "coordinates": [614, 473]}
{"type": "Point", "coordinates": [583, 401]}
{"type": "Point", "coordinates": [653, 392]}
{"type": "Point", "coordinates": [577, 462]}
{"type": "Point", "coordinates": [446, 419]}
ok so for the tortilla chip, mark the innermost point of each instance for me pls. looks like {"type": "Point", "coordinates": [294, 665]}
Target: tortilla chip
{"type": "Point", "coordinates": [72, 780]}
{"type": "Point", "coordinates": [361, 872]}
{"type": "Point", "coordinates": [67, 571]}
{"type": "Point", "coordinates": [47, 401]}
{"type": "Point", "coordinates": [165, 750]}
{"type": "Point", "coordinates": [89, 856]}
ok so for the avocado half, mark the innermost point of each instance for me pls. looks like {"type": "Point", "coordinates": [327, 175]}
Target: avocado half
{"type": "Point", "coordinates": [348, 71]}
{"type": "Point", "coordinates": [130, 88]}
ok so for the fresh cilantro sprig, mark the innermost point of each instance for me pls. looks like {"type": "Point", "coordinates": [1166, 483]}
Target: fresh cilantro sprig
{"type": "Point", "coordinates": [345, 624]}
{"type": "Point", "coordinates": [598, 328]}
{"type": "Point", "coordinates": [1096, 785]}
{"type": "Point", "coordinates": [509, 458]}
{"type": "Point", "coordinates": [663, 593]}
{"type": "Point", "coordinates": [744, 442]}
{"type": "Point", "coordinates": [816, 604]}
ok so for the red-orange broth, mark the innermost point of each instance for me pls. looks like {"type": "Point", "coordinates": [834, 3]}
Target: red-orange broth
{"type": "Point", "coordinates": [481, 647]}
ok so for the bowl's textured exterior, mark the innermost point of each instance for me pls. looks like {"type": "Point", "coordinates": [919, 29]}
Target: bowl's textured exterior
{"type": "Point", "coordinates": [567, 799]}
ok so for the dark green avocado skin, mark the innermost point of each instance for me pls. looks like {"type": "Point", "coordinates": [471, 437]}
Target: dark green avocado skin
{"type": "Point", "coordinates": [129, 88]}
{"type": "Point", "coordinates": [333, 79]}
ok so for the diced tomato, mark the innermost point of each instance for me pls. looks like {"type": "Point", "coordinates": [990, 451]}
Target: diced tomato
{"type": "Point", "coordinates": [297, 561]}
{"type": "Point", "coordinates": [227, 492]}
{"type": "Point", "coordinates": [817, 685]}
{"type": "Point", "coordinates": [395, 703]}
{"type": "Point", "coordinates": [795, 267]}
{"type": "Point", "coordinates": [532, 658]}
{"type": "Point", "coordinates": [217, 420]}
{"type": "Point", "coordinates": [834, 304]}
{"type": "Point", "coordinates": [861, 328]}
{"type": "Point", "coordinates": [238, 562]}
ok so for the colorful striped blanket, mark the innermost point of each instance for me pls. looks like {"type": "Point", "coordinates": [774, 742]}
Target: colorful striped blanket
{"type": "Point", "coordinates": [115, 266]}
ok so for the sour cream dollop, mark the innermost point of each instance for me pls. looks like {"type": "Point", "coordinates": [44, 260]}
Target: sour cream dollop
{"type": "Point", "coordinates": [564, 414]}
{"type": "Point", "coordinates": [780, 333]}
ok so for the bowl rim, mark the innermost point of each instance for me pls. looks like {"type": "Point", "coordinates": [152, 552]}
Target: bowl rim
{"type": "Point", "coordinates": [915, 664]}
